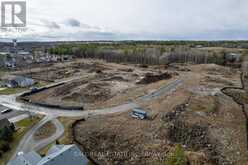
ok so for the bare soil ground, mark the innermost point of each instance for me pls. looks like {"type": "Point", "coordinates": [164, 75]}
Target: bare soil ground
{"type": "Point", "coordinates": [96, 84]}
{"type": "Point", "coordinates": [208, 124]}
{"type": "Point", "coordinates": [45, 131]}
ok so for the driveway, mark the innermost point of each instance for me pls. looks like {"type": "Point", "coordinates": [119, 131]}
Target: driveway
{"type": "Point", "coordinates": [12, 116]}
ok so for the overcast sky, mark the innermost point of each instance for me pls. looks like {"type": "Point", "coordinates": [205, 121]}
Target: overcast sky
{"type": "Point", "coordinates": [134, 19]}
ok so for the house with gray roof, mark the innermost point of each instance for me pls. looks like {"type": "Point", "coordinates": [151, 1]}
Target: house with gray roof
{"type": "Point", "coordinates": [57, 155]}
{"type": "Point", "coordinates": [233, 57]}
{"type": "Point", "coordinates": [19, 81]}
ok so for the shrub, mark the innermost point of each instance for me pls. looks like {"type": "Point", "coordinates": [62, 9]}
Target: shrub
{"type": "Point", "coordinates": [4, 146]}
{"type": "Point", "coordinates": [6, 134]}
{"type": "Point", "coordinates": [177, 157]}
{"type": "Point", "coordinates": [12, 127]}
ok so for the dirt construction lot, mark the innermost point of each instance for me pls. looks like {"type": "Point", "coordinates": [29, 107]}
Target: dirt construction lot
{"type": "Point", "coordinates": [96, 84]}
{"type": "Point", "coordinates": [209, 125]}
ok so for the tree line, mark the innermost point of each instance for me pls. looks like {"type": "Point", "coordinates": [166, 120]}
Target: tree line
{"type": "Point", "coordinates": [155, 55]}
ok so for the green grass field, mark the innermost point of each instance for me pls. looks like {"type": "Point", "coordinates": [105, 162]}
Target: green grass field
{"type": "Point", "coordinates": [9, 91]}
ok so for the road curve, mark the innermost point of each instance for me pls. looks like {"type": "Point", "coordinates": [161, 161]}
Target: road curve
{"type": "Point", "coordinates": [28, 143]}
{"type": "Point", "coordinates": [10, 102]}
{"type": "Point", "coordinates": [42, 143]}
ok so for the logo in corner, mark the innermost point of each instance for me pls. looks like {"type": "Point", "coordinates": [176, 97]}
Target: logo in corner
{"type": "Point", "coordinates": [13, 14]}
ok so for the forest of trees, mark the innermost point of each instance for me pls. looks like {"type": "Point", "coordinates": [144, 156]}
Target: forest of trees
{"type": "Point", "coordinates": [225, 44]}
{"type": "Point", "coordinates": [142, 54]}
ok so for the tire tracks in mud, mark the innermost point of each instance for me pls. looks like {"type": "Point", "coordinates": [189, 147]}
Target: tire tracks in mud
{"type": "Point", "coordinates": [242, 105]}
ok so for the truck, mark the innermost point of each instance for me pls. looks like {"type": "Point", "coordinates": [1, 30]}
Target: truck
{"type": "Point", "coordinates": [138, 113]}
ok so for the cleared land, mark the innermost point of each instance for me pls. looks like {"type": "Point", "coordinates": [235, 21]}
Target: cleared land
{"type": "Point", "coordinates": [97, 84]}
{"type": "Point", "coordinates": [208, 124]}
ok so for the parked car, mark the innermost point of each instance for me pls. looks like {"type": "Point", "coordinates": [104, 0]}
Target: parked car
{"type": "Point", "coordinates": [34, 89]}
{"type": "Point", "coordinates": [6, 111]}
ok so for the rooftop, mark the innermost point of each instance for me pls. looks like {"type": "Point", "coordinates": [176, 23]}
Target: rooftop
{"type": "Point", "coordinates": [57, 155]}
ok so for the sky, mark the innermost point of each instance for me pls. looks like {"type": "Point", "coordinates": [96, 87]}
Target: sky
{"type": "Point", "coordinates": [56, 20]}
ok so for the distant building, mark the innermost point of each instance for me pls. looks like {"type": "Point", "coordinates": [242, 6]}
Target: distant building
{"type": "Point", "coordinates": [57, 155]}
{"type": "Point", "coordinates": [10, 64]}
{"type": "Point", "coordinates": [198, 46]}
{"type": "Point", "coordinates": [233, 57]}
{"type": "Point", "coordinates": [19, 81]}
{"type": "Point", "coordinates": [23, 53]}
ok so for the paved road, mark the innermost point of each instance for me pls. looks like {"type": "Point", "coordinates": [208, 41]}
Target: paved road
{"type": "Point", "coordinates": [167, 89]}
{"type": "Point", "coordinates": [13, 116]}
{"type": "Point", "coordinates": [10, 101]}
{"type": "Point", "coordinates": [27, 143]}
{"type": "Point", "coordinates": [37, 145]}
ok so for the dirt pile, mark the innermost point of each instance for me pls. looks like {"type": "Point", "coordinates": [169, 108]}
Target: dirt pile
{"type": "Point", "coordinates": [110, 143]}
{"type": "Point", "coordinates": [173, 115]}
{"type": "Point", "coordinates": [179, 67]}
{"type": "Point", "coordinates": [63, 90]}
{"type": "Point", "coordinates": [197, 138]}
{"type": "Point", "coordinates": [96, 92]}
{"type": "Point", "coordinates": [151, 78]}
{"type": "Point", "coordinates": [45, 131]}
{"type": "Point", "coordinates": [192, 136]}
{"type": "Point", "coordinates": [96, 68]}
{"type": "Point", "coordinates": [91, 93]}
{"type": "Point", "coordinates": [182, 126]}
{"type": "Point", "coordinates": [105, 142]}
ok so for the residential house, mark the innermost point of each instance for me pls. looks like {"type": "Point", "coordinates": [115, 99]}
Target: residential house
{"type": "Point", "coordinates": [19, 81]}
{"type": "Point", "coordinates": [23, 53]}
{"type": "Point", "coordinates": [233, 57]}
{"type": "Point", "coordinates": [31, 158]}
{"type": "Point", "coordinates": [57, 155]}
